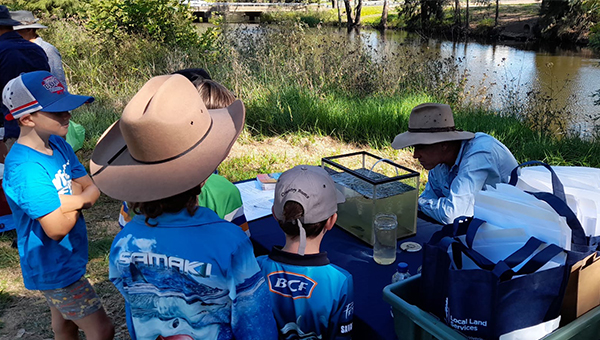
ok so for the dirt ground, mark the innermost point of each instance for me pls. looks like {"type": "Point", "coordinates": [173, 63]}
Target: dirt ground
{"type": "Point", "coordinates": [25, 315]}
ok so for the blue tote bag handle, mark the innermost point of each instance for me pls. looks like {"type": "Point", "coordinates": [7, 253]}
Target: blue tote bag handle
{"type": "Point", "coordinates": [558, 202]}
{"type": "Point", "coordinates": [557, 187]}
{"type": "Point", "coordinates": [505, 273]}
{"type": "Point", "coordinates": [515, 258]}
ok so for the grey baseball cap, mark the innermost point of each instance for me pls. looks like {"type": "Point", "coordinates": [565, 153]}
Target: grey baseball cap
{"type": "Point", "coordinates": [310, 186]}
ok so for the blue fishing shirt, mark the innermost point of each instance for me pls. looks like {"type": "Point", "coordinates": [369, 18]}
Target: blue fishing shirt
{"type": "Point", "coordinates": [190, 277]}
{"type": "Point", "coordinates": [312, 298]}
{"type": "Point", "coordinates": [450, 191]}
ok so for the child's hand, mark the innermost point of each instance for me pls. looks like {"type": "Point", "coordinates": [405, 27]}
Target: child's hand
{"type": "Point", "coordinates": [76, 188]}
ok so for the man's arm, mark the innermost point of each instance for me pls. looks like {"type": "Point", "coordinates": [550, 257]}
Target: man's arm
{"type": "Point", "coordinates": [85, 199]}
{"type": "Point", "coordinates": [471, 177]}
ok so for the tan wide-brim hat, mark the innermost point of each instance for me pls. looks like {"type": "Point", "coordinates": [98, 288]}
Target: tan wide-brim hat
{"type": "Point", "coordinates": [430, 123]}
{"type": "Point", "coordinates": [165, 143]}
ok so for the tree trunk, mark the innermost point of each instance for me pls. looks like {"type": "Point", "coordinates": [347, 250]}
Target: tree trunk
{"type": "Point", "coordinates": [349, 13]}
{"type": "Point", "coordinates": [467, 16]}
{"type": "Point", "coordinates": [424, 14]}
{"type": "Point", "coordinates": [358, 10]}
{"type": "Point", "coordinates": [339, 14]}
{"type": "Point", "coordinates": [497, 11]}
{"type": "Point", "coordinates": [332, 3]}
{"type": "Point", "coordinates": [457, 12]}
{"type": "Point", "coordinates": [384, 15]}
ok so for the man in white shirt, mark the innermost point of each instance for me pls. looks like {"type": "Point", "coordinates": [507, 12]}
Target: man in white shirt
{"type": "Point", "coordinates": [460, 163]}
{"type": "Point", "coordinates": [28, 30]}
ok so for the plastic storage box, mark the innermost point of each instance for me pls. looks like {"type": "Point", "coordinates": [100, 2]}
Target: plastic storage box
{"type": "Point", "coordinates": [410, 322]}
{"type": "Point", "coordinates": [373, 185]}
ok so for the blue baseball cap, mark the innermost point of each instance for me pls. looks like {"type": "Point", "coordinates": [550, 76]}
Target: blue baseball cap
{"type": "Point", "coordinates": [39, 91]}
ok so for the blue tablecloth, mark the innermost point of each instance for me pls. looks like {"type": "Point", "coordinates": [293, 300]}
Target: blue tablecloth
{"type": "Point", "coordinates": [372, 315]}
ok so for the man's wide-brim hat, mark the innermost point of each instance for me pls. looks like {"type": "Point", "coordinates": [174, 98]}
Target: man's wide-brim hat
{"type": "Point", "coordinates": [165, 143]}
{"type": "Point", "coordinates": [26, 20]}
{"type": "Point", "coordinates": [430, 123]}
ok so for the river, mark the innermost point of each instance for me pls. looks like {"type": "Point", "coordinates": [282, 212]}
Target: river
{"type": "Point", "coordinates": [503, 77]}
{"type": "Point", "coordinates": [507, 77]}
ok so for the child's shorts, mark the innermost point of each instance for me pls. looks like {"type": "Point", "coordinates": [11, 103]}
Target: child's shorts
{"type": "Point", "coordinates": [76, 301]}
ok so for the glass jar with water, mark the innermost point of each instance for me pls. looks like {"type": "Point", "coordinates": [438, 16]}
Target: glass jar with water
{"type": "Point", "coordinates": [373, 185]}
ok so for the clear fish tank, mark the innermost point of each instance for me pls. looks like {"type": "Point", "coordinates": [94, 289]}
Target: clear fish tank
{"type": "Point", "coordinates": [373, 185]}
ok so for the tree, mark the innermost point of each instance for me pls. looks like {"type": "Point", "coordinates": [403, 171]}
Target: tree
{"type": "Point", "coordinates": [384, 15]}
{"type": "Point", "coordinates": [358, 9]}
{"type": "Point", "coordinates": [349, 14]}
{"type": "Point", "coordinates": [497, 12]}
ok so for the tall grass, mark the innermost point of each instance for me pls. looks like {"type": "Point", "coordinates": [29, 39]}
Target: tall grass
{"type": "Point", "coordinates": [321, 83]}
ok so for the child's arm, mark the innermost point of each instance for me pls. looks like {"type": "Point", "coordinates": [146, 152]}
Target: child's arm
{"type": "Point", "coordinates": [58, 224]}
{"type": "Point", "coordinates": [80, 200]}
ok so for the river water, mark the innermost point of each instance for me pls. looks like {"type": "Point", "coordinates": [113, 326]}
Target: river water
{"type": "Point", "coordinates": [507, 77]}
{"type": "Point", "coordinates": [504, 77]}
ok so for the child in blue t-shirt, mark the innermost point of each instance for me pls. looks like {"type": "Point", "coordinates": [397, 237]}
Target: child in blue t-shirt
{"type": "Point", "coordinates": [46, 187]}
{"type": "Point", "coordinates": [312, 298]}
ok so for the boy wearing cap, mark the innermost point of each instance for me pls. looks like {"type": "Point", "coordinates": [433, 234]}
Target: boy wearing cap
{"type": "Point", "coordinates": [184, 272]}
{"type": "Point", "coordinates": [46, 186]}
{"type": "Point", "coordinates": [311, 297]}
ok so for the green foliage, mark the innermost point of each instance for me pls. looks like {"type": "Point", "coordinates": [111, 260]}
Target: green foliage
{"type": "Point", "coordinates": [310, 18]}
{"type": "Point", "coordinates": [568, 20]}
{"type": "Point", "coordinates": [166, 21]}
{"type": "Point", "coordinates": [594, 42]}
{"type": "Point", "coordinates": [59, 8]}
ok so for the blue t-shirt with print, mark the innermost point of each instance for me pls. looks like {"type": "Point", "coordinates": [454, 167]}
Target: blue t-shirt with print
{"type": "Point", "coordinates": [32, 183]}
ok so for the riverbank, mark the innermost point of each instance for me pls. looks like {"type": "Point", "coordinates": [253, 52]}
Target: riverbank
{"type": "Point", "coordinates": [518, 21]}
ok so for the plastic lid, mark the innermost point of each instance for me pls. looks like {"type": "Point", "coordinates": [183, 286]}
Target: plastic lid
{"type": "Point", "coordinates": [402, 267]}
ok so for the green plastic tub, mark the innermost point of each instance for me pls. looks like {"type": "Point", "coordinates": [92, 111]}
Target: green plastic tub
{"type": "Point", "coordinates": [411, 322]}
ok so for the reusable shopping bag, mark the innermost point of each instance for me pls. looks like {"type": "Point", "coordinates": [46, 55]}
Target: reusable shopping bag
{"type": "Point", "coordinates": [436, 261]}
{"type": "Point", "coordinates": [487, 303]}
{"type": "Point", "coordinates": [581, 245]}
{"type": "Point", "coordinates": [434, 272]}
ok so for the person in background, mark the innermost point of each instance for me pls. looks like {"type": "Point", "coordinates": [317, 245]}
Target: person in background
{"type": "Point", "coordinates": [312, 298]}
{"type": "Point", "coordinates": [184, 272]}
{"type": "Point", "coordinates": [218, 194]}
{"type": "Point", "coordinates": [460, 163]}
{"type": "Point", "coordinates": [17, 56]}
{"type": "Point", "coordinates": [46, 187]}
{"type": "Point", "coordinates": [28, 30]}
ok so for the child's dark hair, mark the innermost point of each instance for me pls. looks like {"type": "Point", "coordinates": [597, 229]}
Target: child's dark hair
{"type": "Point", "coordinates": [173, 204]}
{"type": "Point", "coordinates": [292, 211]}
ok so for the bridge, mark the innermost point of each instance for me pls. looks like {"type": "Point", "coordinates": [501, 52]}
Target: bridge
{"type": "Point", "coordinates": [203, 10]}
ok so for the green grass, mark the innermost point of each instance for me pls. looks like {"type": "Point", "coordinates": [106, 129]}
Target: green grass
{"type": "Point", "coordinates": [298, 83]}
